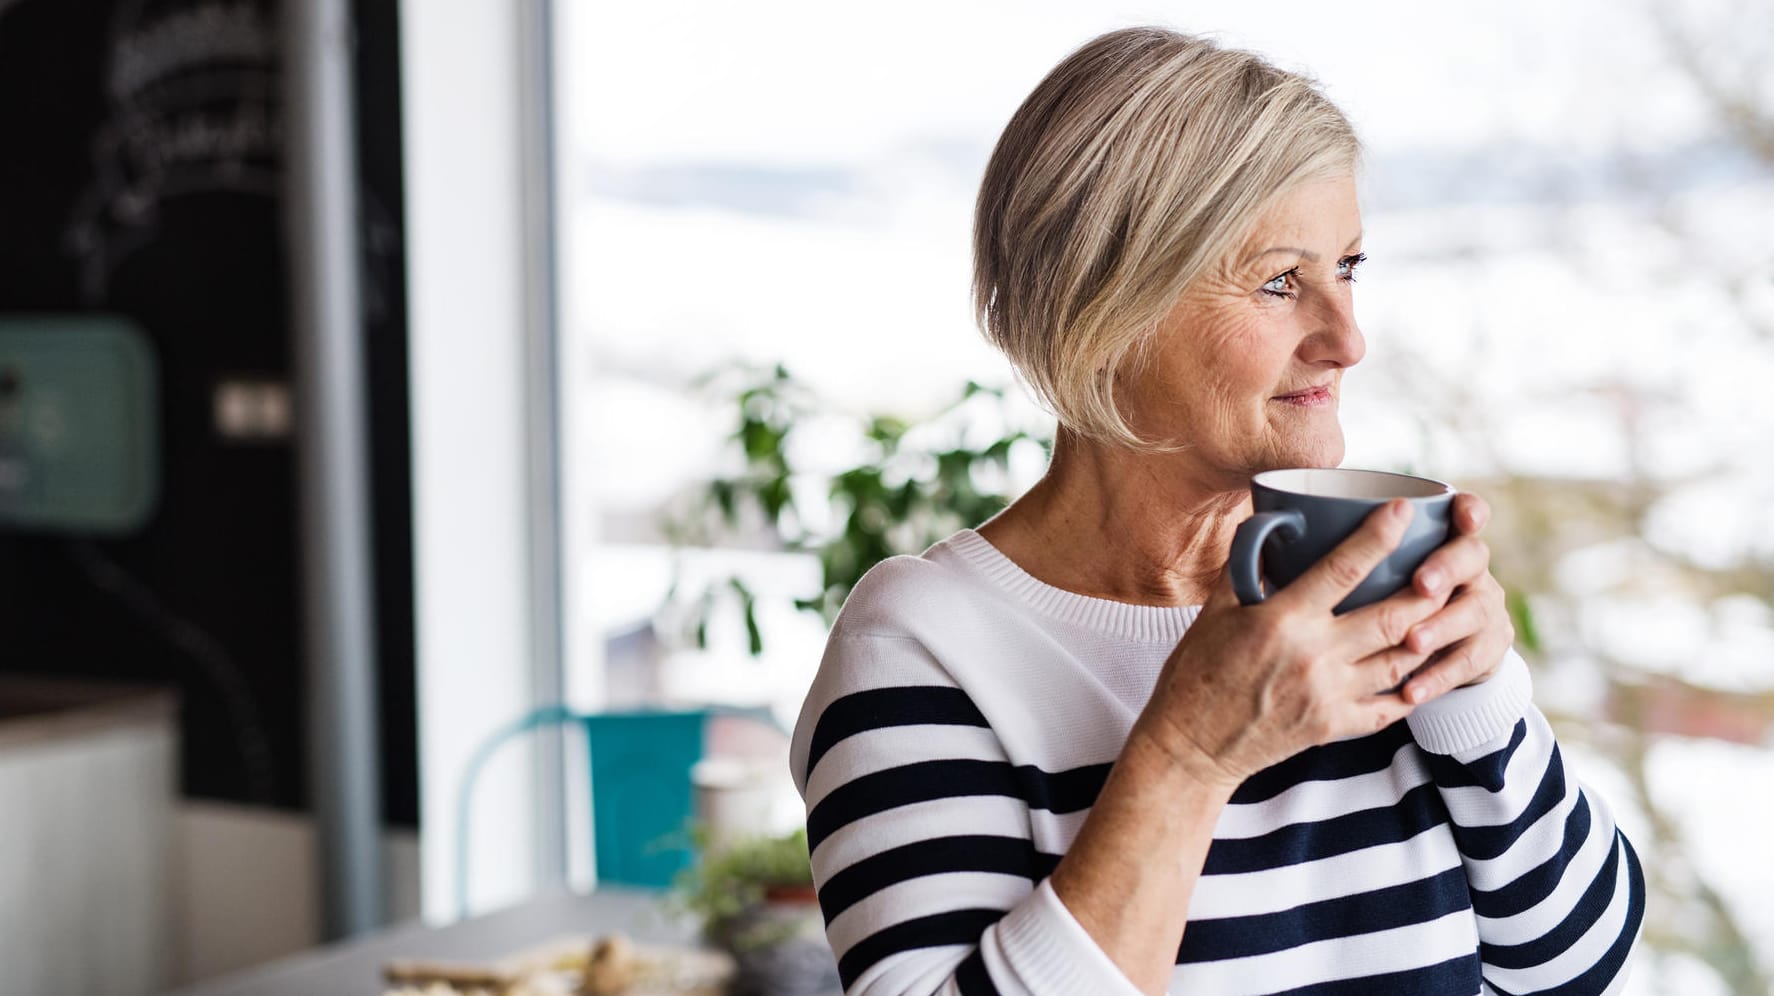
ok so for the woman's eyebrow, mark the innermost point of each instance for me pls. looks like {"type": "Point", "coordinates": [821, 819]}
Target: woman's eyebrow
{"type": "Point", "coordinates": [1305, 254]}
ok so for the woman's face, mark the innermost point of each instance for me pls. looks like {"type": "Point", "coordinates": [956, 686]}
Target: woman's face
{"type": "Point", "coordinates": [1247, 368]}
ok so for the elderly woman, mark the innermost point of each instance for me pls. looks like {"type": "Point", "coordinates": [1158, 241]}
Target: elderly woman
{"type": "Point", "coordinates": [1056, 755]}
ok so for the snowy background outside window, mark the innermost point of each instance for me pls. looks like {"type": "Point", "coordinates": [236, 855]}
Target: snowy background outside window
{"type": "Point", "coordinates": [1569, 307]}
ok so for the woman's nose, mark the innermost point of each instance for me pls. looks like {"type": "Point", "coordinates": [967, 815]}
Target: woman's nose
{"type": "Point", "coordinates": [1335, 340]}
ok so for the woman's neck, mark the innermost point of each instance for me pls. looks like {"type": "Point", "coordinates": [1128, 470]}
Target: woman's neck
{"type": "Point", "coordinates": [1113, 523]}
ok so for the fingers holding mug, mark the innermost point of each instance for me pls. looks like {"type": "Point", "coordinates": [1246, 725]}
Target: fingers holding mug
{"type": "Point", "coordinates": [1471, 514]}
{"type": "Point", "coordinates": [1340, 572]}
{"type": "Point", "coordinates": [1460, 561]}
{"type": "Point", "coordinates": [1466, 641]}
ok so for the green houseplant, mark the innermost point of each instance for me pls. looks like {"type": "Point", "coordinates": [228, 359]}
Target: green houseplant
{"type": "Point", "coordinates": [723, 885]}
{"type": "Point", "coordinates": [756, 900]}
{"type": "Point", "coordinates": [906, 484]}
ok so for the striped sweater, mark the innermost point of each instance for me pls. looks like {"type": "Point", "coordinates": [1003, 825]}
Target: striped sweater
{"type": "Point", "coordinates": [965, 717]}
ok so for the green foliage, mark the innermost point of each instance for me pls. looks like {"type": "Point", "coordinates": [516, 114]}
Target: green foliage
{"type": "Point", "coordinates": [721, 887]}
{"type": "Point", "coordinates": [1521, 613]}
{"type": "Point", "coordinates": [915, 483]}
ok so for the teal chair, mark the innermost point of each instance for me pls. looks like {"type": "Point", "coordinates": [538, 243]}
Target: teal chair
{"type": "Point", "coordinates": [641, 797]}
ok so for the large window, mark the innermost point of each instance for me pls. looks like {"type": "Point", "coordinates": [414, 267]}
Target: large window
{"type": "Point", "coordinates": [1567, 307]}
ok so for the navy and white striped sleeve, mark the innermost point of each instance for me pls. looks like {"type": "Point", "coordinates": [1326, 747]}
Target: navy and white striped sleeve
{"type": "Point", "coordinates": [921, 841]}
{"type": "Point", "coordinates": [1557, 889]}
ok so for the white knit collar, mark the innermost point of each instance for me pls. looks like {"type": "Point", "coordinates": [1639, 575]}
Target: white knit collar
{"type": "Point", "coordinates": [1144, 623]}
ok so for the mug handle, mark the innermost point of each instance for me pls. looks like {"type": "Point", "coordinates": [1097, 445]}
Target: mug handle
{"type": "Point", "coordinates": [1247, 549]}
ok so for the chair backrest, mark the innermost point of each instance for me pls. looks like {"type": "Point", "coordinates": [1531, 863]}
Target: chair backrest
{"type": "Point", "coordinates": [641, 800]}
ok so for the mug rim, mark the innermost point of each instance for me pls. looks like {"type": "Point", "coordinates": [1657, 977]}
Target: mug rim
{"type": "Point", "coordinates": [1272, 480]}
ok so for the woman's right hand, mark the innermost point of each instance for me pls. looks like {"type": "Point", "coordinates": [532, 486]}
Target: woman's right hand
{"type": "Point", "coordinates": [1249, 686]}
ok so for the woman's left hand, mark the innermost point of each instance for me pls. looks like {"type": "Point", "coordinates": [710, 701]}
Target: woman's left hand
{"type": "Point", "coordinates": [1470, 634]}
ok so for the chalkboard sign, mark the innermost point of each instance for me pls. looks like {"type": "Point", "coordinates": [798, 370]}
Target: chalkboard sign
{"type": "Point", "coordinates": [143, 178]}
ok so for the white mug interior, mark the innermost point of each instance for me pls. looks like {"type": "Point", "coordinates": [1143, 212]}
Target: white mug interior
{"type": "Point", "coordinates": [1338, 482]}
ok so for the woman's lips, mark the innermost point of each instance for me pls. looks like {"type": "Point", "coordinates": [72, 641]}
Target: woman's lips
{"type": "Point", "coordinates": [1312, 397]}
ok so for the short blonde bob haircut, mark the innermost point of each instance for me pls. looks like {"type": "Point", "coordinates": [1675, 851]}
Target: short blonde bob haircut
{"type": "Point", "coordinates": [1136, 166]}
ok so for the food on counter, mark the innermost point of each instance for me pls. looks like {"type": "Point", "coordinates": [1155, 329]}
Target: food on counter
{"type": "Point", "coordinates": [611, 968]}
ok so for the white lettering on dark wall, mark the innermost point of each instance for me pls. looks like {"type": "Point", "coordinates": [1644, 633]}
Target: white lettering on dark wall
{"type": "Point", "coordinates": [201, 37]}
{"type": "Point", "coordinates": [194, 110]}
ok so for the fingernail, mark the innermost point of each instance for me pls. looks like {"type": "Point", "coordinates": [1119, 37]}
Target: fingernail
{"type": "Point", "coordinates": [1414, 694]}
{"type": "Point", "coordinates": [1403, 511]}
{"type": "Point", "coordinates": [1431, 580]}
{"type": "Point", "coordinates": [1421, 640]}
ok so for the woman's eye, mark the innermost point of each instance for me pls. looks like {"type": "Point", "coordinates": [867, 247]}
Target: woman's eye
{"type": "Point", "coordinates": [1346, 266]}
{"type": "Point", "coordinates": [1278, 286]}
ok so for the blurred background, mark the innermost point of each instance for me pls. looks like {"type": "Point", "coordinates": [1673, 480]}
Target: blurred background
{"type": "Point", "coordinates": [658, 335]}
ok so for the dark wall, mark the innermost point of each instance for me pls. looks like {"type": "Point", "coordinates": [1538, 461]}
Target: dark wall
{"type": "Point", "coordinates": [142, 176]}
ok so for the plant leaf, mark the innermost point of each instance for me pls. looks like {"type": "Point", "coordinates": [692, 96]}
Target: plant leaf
{"type": "Point", "coordinates": [1521, 613]}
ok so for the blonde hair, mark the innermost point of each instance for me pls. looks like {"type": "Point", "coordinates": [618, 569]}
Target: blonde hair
{"type": "Point", "coordinates": [1135, 166]}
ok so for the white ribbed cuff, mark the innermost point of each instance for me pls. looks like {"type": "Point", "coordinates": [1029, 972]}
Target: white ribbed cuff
{"type": "Point", "coordinates": [1476, 715]}
{"type": "Point", "coordinates": [1051, 953]}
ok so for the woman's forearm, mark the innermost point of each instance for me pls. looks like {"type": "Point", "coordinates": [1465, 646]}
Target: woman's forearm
{"type": "Point", "coordinates": [1129, 875]}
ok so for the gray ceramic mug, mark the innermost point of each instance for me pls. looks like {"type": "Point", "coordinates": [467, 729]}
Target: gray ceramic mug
{"type": "Point", "coordinates": [1303, 513]}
